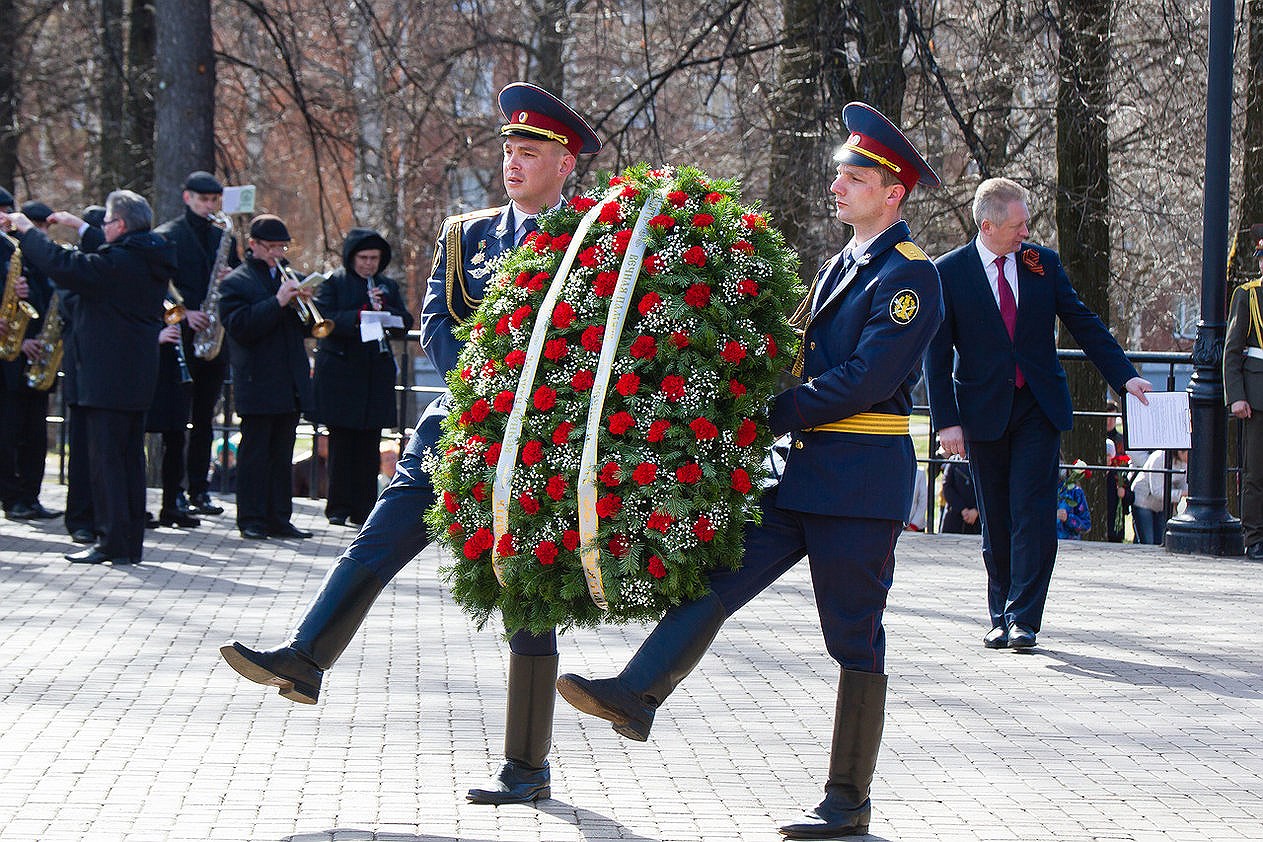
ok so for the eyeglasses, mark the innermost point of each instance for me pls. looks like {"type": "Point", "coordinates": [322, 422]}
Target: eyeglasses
{"type": "Point", "coordinates": [264, 245]}
{"type": "Point", "coordinates": [106, 223]}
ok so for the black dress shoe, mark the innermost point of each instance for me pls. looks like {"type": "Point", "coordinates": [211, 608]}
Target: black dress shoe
{"type": "Point", "coordinates": [1020, 637]}
{"type": "Point", "coordinates": [176, 517]}
{"type": "Point", "coordinates": [20, 511]}
{"type": "Point", "coordinates": [40, 513]}
{"type": "Point", "coordinates": [202, 504]}
{"type": "Point", "coordinates": [997, 638]}
{"type": "Point", "coordinates": [289, 530]}
{"type": "Point", "coordinates": [1255, 551]}
{"type": "Point", "coordinates": [254, 533]}
{"type": "Point", "coordinates": [337, 520]}
{"type": "Point", "coordinates": [88, 556]}
{"type": "Point", "coordinates": [151, 522]}
{"type": "Point", "coordinates": [83, 536]}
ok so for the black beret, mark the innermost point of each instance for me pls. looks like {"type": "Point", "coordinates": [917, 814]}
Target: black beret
{"type": "Point", "coordinates": [203, 182]}
{"type": "Point", "coordinates": [269, 229]}
{"type": "Point", "coordinates": [94, 215]}
{"type": "Point", "coordinates": [36, 211]}
{"type": "Point", "coordinates": [6, 198]}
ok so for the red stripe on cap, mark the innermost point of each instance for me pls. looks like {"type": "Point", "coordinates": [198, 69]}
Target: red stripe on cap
{"type": "Point", "coordinates": [908, 175]}
{"type": "Point", "coordinates": [536, 120]}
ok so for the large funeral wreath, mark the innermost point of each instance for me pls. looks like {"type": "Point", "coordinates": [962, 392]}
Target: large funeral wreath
{"type": "Point", "coordinates": [609, 417]}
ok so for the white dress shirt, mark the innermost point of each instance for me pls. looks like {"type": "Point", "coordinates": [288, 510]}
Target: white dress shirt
{"type": "Point", "coordinates": [993, 277]}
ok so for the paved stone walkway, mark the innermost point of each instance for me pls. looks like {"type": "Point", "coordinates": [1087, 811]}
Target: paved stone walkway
{"type": "Point", "coordinates": [1138, 718]}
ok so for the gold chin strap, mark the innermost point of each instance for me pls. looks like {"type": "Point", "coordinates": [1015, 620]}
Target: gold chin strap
{"type": "Point", "coordinates": [873, 156]}
{"type": "Point", "coordinates": [535, 131]}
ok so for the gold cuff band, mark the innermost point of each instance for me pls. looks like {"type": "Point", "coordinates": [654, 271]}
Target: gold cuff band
{"type": "Point", "coordinates": [868, 423]}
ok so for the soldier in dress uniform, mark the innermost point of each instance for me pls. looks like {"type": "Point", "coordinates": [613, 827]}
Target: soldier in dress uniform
{"type": "Point", "coordinates": [867, 320]}
{"type": "Point", "coordinates": [542, 137]}
{"type": "Point", "coordinates": [1243, 392]}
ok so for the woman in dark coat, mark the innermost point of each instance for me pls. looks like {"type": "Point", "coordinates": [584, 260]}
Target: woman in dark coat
{"type": "Point", "coordinates": [354, 379]}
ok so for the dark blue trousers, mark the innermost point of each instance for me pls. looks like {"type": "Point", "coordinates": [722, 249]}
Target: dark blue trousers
{"type": "Point", "coordinates": [852, 567]}
{"type": "Point", "coordinates": [395, 532]}
{"type": "Point", "coordinates": [1016, 480]}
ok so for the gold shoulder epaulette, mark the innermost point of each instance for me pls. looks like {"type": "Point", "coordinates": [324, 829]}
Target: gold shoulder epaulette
{"type": "Point", "coordinates": [460, 218]}
{"type": "Point", "coordinates": [1254, 284]}
{"type": "Point", "coordinates": [911, 250]}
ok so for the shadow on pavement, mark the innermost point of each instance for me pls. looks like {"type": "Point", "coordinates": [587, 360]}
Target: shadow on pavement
{"type": "Point", "coordinates": [584, 820]}
{"type": "Point", "coordinates": [1150, 675]}
{"type": "Point", "coordinates": [350, 834]}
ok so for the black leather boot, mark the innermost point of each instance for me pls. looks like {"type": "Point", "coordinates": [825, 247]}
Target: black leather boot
{"type": "Point", "coordinates": [672, 650]}
{"type": "Point", "coordinates": [528, 733]}
{"type": "Point", "coordinates": [857, 726]}
{"type": "Point", "coordinates": [332, 619]}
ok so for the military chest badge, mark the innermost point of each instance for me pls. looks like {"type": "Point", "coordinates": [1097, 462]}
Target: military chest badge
{"type": "Point", "coordinates": [904, 307]}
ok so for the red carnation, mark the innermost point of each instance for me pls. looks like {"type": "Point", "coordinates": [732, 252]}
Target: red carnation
{"type": "Point", "coordinates": [582, 380]}
{"type": "Point", "coordinates": [505, 547]}
{"type": "Point", "coordinates": [475, 332]}
{"type": "Point", "coordinates": [664, 221]}
{"type": "Point", "coordinates": [556, 487]}
{"type": "Point", "coordinates": [736, 388]}
{"type": "Point", "coordinates": [644, 348]}
{"type": "Point", "coordinates": [533, 452]}
{"type": "Point", "coordinates": [609, 505]}
{"type": "Point", "coordinates": [733, 352]}
{"type": "Point", "coordinates": [771, 346]}
{"type": "Point", "coordinates": [479, 491]}
{"type": "Point", "coordinates": [563, 315]}
{"type": "Point", "coordinates": [608, 475]}
{"type": "Point", "coordinates": [449, 502]}
{"type": "Point", "coordinates": [520, 281]}
{"type": "Point", "coordinates": [502, 326]}
{"type": "Point", "coordinates": [656, 568]}
{"type": "Point", "coordinates": [561, 433]}
{"type": "Point", "coordinates": [503, 402]}
{"type": "Point", "coordinates": [493, 454]}
{"type": "Point", "coordinates": [537, 281]}
{"type": "Point", "coordinates": [747, 432]}
{"type": "Point", "coordinates": [611, 213]}
{"type": "Point", "coordinates": [748, 286]}
{"type": "Point", "coordinates": [645, 473]}
{"type": "Point", "coordinates": [621, 240]}
{"type": "Point", "coordinates": [673, 387]}
{"type": "Point", "coordinates": [653, 265]}
{"type": "Point", "coordinates": [515, 358]}
{"type": "Point", "coordinates": [583, 204]}
{"type": "Point", "coordinates": [703, 530]}
{"type": "Point", "coordinates": [539, 242]}
{"type": "Point", "coordinates": [560, 242]}
{"type": "Point", "coordinates": [703, 429]}
{"type": "Point", "coordinates": [648, 302]}
{"type": "Point", "coordinates": [689, 474]}
{"type": "Point", "coordinates": [740, 481]}
{"type": "Point", "coordinates": [591, 256]}
{"type": "Point", "coordinates": [554, 349]}
{"type": "Point", "coordinates": [488, 369]}
{"type": "Point", "coordinates": [695, 256]}
{"type": "Point", "coordinates": [479, 410]}
{"type": "Point", "coordinates": [697, 295]}
{"type": "Point", "coordinates": [629, 192]}
{"type": "Point", "coordinates": [479, 543]}
{"type": "Point", "coordinates": [621, 422]}
{"type": "Point", "coordinates": [618, 545]}
{"type": "Point", "coordinates": [604, 283]}
{"type": "Point", "coordinates": [678, 198]}
{"type": "Point", "coordinates": [545, 398]}
{"type": "Point", "coordinates": [680, 339]}
{"type": "Point", "coordinates": [454, 529]}
{"type": "Point", "coordinates": [616, 180]}
{"type": "Point", "coordinates": [592, 336]}
{"type": "Point", "coordinates": [627, 385]}
{"type": "Point", "coordinates": [528, 503]}
{"type": "Point", "coordinates": [465, 373]}
{"type": "Point", "coordinates": [570, 539]}
{"type": "Point", "coordinates": [743, 246]}
{"type": "Point", "coordinates": [713, 198]}
{"type": "Point", "coordinates": [546, 553]}
{"type": "Point", "coordinates": [464, 420]}
{"type": "Point", "coordinates": [657, 430]}
{"type": "Point", "coordinates": [754, 221]}
{"type": "Point", "coordinates": [703, 220]}
{"type": "Point", "coordinates": [659, 522]}
{"type": "Point", "coordinates": [520, 315]}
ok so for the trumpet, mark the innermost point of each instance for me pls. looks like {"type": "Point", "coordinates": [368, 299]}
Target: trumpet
{"type": "Point", "coordinates": [305, 307]}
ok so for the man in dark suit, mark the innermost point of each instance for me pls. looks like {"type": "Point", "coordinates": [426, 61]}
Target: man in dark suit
{"type": "Point", "coordinates": [271, 378]}
{"type": "Point", "coordinates": [120, 287]}
{"type": "Point", "coordinates": [867, 319]}
{"type": "Point", "coordinates": [542, 137]}
{"type": "Point", "coordinates": [1005, 401]}
{"type": "Point", "coordinates": [197, 244]}
{"type": "Point", "coordinates": [354, 379]}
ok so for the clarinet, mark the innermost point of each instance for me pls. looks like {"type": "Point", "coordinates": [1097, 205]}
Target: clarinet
{"type": "Point", "coordinates": [383, 344]}
{"type": "Point", "coordinates": [182, 361]}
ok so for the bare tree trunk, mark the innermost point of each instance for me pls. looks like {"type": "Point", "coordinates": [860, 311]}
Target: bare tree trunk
{"type": "Point", "coordinates": [551, 25]}
{"type": "Point", "coordinates": [185, 101]}
{"type": "Point", "coordinates": [113, 105]}
{"type": "Point", "coordinates": [9, 101]}
{"type": "Point", "coordinates": [141, 35]}
{"type": "Point", "coordinates": [881, 78]}
{"type": "Point", "coordinates": [372, 198]}
{"type": "Point", "coordinates": [1083, 220]}
{"type": "Point", "coordinates": [1242, 264]}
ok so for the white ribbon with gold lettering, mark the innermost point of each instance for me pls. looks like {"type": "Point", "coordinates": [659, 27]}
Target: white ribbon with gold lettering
{"type": "Point", "coordinates": [589, 552]}
{"type": "Point", "coordinates": [502, 488]}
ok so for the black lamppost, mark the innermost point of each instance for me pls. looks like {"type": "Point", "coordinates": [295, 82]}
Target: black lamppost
{"type": "Point", "coordinates": [1206, 527]}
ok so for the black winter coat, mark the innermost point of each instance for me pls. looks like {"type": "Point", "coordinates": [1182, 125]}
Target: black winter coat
{"type": "Point", "coordinates": [354, 381]}
{"type": "Point", "coordinates": [196, 242]}
{"type": "Point", "coordinates": [271, 374]}
{"type": "Point", "coordinates": [118, 314]}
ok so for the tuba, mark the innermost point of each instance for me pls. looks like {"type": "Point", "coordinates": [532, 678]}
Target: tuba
{"type": "Point", "coordinates": [15, 313]}
{"type": "Point", "coordinates": [208, 341]}
{"type": "Point", "coordinates": [307, 312]}
{"type": "Point", "coordinates": [41, 372]}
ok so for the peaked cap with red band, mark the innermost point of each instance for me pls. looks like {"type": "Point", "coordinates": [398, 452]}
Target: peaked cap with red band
{"type": "Point", "coordinates": [876, 142]}
{"type": "Point", "coordinates": [532, 111]}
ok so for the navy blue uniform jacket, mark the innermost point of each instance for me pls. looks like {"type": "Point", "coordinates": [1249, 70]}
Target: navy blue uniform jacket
{"type": "Point", "coordinates": [977, 393]}
{"type": "Point", "coordinates": [862, 353]}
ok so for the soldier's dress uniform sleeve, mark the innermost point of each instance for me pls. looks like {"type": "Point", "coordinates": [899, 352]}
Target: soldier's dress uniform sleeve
{"type": "Point", "coordinates": [437, 320]}
{"type": "Point", "coordinates": [886, 352]}
{"type": "Point", "coordinates": [1235, 341]}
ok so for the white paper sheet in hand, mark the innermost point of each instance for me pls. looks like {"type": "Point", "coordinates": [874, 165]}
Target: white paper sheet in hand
{"type": "Point", "coordinates": [1162, 425]}
{"type": "Point", "coordinates": [373, 324]}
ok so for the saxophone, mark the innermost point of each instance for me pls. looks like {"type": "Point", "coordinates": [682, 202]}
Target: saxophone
{"type": "Point", "coordinates": [15, 313]}
{"type": "Point", "coordinates": [208, 341]}
{"type": "Point", "coordinates": [41, 372]}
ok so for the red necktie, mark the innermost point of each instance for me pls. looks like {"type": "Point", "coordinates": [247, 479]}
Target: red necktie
{"type": "Point", "coordinates": [1008, 312]}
